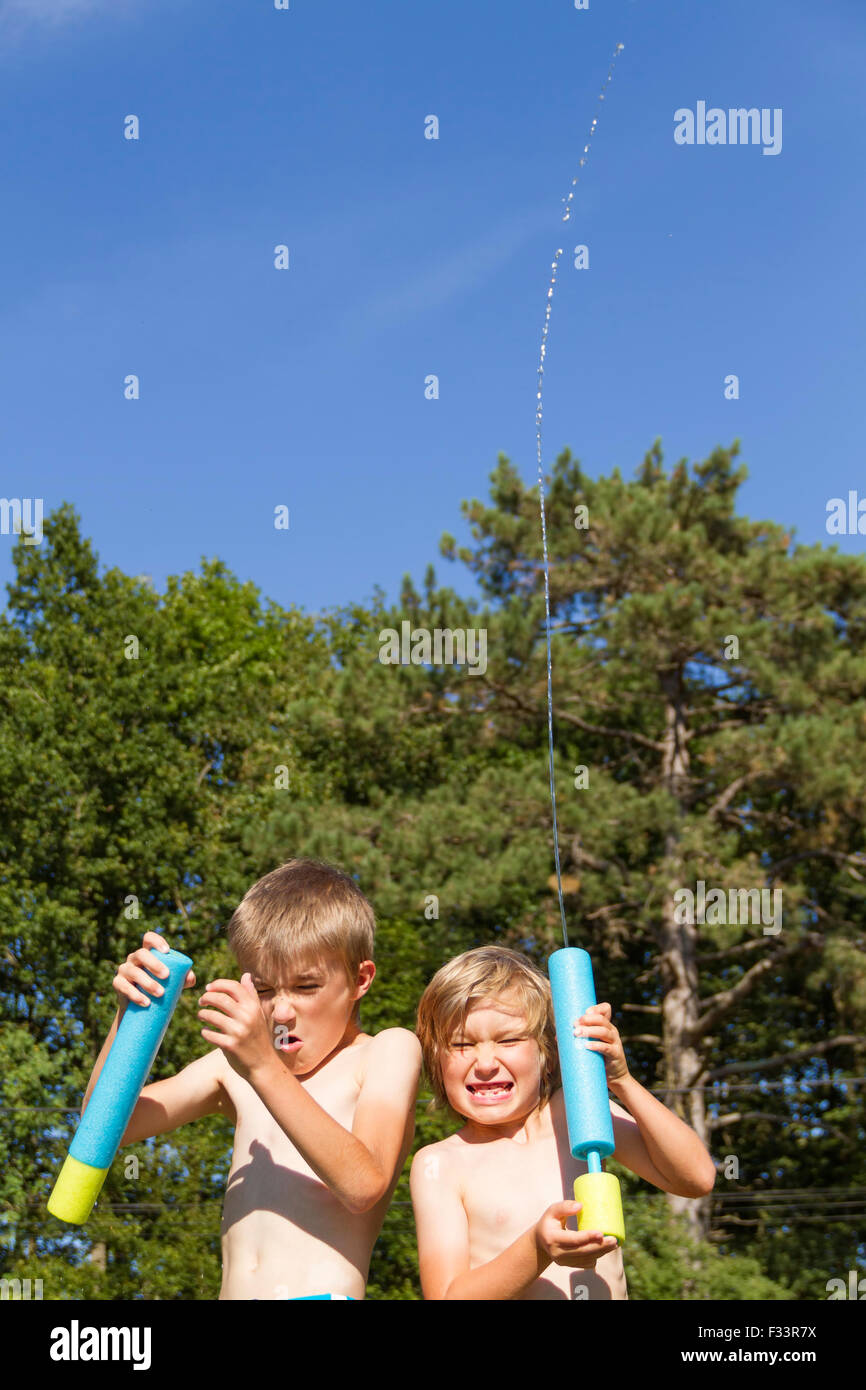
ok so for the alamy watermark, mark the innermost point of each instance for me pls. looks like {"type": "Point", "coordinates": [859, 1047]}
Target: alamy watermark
{"type": "Point", "coordinates": [442, 647]}
{"type": "Point", "coordinates": [855, 1289]}
{"type": "Point", "coordinates": [77, 1343]}
{"type": "Point", "coordinates": [20, 1288]}
{"type": "Point", "coordinates": [25, 514]}
{"type": "Point", "coordinates": [738, 125]}
{"type": "Point", "coordinates": [737, 906]}
{"type": "Point", "coordinates": [846, 516]}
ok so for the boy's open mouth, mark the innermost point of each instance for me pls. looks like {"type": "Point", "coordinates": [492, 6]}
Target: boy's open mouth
{"type": "Point", "coordinates": [490, 1090]}
{"type": "Point", "coordinates": [290, 1043]}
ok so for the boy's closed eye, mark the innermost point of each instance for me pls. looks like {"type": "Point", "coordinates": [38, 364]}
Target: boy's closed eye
{"type": "Point", "coordinates": [269, 989]}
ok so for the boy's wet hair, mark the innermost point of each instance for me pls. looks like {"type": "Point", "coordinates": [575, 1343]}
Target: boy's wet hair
{"type": "Point", "coordinates": [301, 912]}
{"type": "Point", "coordinates": [484, 974]}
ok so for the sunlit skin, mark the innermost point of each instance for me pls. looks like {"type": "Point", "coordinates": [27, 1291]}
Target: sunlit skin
{"type": "Point", "coordinates": [493, 1048]}
{"type": "Point", "coordinates": [323, 1115]}
{"type": "Point", "coordinates": [492, 1072]}
{"type": "Point", "coordinates": [342, 1099]}
{"type": "Point", "coordinates": [495, 1045]}
{"type": "Point", "coordinates": [490, 1205]}
{"type": "Point", "coordinates": [495, 1051]}
{"type": "Point", "coordinates": [303, 1017]}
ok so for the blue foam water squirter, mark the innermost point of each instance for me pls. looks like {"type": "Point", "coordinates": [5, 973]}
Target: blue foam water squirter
{"type": "Point", "coordinates": [126, 1069]}
{"type": "Point", "coordinates": [584, 1086]}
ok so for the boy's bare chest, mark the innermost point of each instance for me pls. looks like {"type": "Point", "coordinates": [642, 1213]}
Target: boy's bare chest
{"type": "Point", "coordinates": [336, 1090]}
{"type": "Point", "coordinates": [506, 1187]}
{"type": "Point", "coordinates": [505, 1182]}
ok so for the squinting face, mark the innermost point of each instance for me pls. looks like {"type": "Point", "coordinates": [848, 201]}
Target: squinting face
{"type": "Point", "coordinates": [493, 1069]}
{"type": "Point", "coordinates": [308, 1007]}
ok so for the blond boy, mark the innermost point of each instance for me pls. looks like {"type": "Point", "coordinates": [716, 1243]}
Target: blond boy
{"type": "Point", "coordinates": [323, 1112]}
{"type": "Point", "coordinates": [491, 1200]}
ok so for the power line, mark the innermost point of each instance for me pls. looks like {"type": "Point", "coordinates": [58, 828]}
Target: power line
{"type": "Point", "coordinates": [791, 1192]}
{"type": "Point", "coordinates": [781, 1212]}
{"type": "Point", "coordinates": [721, 1088]}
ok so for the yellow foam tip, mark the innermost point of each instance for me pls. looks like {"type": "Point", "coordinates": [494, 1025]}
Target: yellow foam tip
{"type": "Point", "coordinates": [602, 1204]}
{"type": "Point", "coordinates": [75, 1191]}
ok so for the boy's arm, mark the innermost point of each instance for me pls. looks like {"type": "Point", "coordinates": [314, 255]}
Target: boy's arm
{"type": "Point", "coordinates": [656, 1144]}
{"type": "Point", "coordinates": [195, 1091]}
{"type": "Point", "coordinates": [443, 1240]}
{"type": "Point", "coordinates": [361, 1166]}
{"type": "Point", "coordinates": [384, 1120]}
{"type": "Point", "coordinates": [650, 1140]}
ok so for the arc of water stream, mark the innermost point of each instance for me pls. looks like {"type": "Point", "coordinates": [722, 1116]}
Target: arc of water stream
{"type": "Point", "coordinates": [538, 418]}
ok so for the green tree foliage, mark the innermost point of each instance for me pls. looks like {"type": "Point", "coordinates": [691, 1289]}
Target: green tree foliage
{"type": "Point", "coordinates": [124, 794]}
{"type": "Point", "coordinates": [710, 678]}
{"type": "Point", "coordinates": [163, 782]}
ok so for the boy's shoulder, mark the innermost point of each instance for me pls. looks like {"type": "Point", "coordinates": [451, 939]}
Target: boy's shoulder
{"type": "Point", "coordinates": [394, 1050]}
{"type": "Point", "coordinates": [444, 1151]}
{"type": "Point", "coordinates": [395, 1040]}
{"type": "Point", "coordinates": [392, 1042]}
{"type": "Point", "coordinates": [460, 1148]}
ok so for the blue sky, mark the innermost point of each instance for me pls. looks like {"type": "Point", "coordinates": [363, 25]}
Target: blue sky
{"type": "Point", "coordinates": [409, 257]}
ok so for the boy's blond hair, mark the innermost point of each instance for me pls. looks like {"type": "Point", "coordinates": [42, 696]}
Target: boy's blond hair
{"type": "Point", "coordinates": [303, 910]}
{"type": "Point", "coordinates": [485, 973]}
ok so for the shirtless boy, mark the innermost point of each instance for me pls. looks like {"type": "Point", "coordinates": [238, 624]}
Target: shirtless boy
{"type": "Point", "coordinates": [490, 1201]}
{"type": "Point", "coordinates": [323, 1112]}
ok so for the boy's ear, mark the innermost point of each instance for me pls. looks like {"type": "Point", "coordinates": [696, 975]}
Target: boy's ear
{"type": "Point", "coordinates": [366, 973]}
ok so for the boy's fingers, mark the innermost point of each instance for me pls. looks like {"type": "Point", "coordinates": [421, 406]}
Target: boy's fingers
{"type": "Point", "coordinates": [218, 999]}
{"type": "Point", "coordinates": [128, 991]}
{"type": "Point", "coordinates": [228, 987]}
{"type": "Point", "coordinates": [153, 938]}
{"type": "Point", "coordinates": [596, 1014]}
{"type": "Point", "coordinates": [130, 983]}
{"type": "Point", "coordinates": [583, 1241]}
{"type": "Point", "coordinates": [136, 975]}
{"type": "Point", "coordinates": [190, 979]}
{"type": "Point", "coordinates": [561, 1211]}
{"type": "Point", "coordinates": [567, 1205]}
{"type": "Point", "coordinates": [150, 960]}
{"type": "Point", "coordinates": [211, 1016]}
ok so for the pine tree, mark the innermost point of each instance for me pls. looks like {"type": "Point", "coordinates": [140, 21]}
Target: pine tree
{"type": "Point", "coordinates": [708, 692]}
{"type": "Point", "coordinates": [712, 680]}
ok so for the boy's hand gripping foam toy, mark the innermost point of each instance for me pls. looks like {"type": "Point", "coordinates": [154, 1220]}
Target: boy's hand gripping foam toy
{"type": "Point", "coordinates": [584, 1086]}
{"type": "Point", "coordinates": [126, 1069]}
